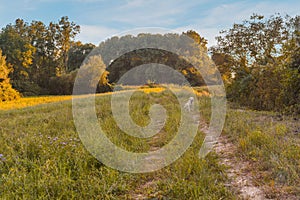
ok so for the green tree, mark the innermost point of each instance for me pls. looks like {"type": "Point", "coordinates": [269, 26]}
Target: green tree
{"type": "Point", "coordinates": [197, 38]}
{"type": "Point", "coordinates": [38, 39]}
{"type": "Point", "coordinates": [77, 53]}
{"type": "Point", "coordinates": [92, 76]}
{"type": "Point", "coordinates": [224, 62]}
{"type": "Point", "coordinates": [125, 49]}
{"type": "Point", "coordinates": [257, 57]}
{"type": "Point", "coordinates": [66, 32]}
{"type": "Point", "coordinates": [17, 49]}
{"type": "Point", "coordinates": [290, 69]}
{"type": "Point", "coordinates": [37, 52]}
{"type": "Point", "coordinates": [254, 43]}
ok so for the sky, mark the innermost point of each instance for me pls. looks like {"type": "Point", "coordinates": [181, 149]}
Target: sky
{"type": "Point", "coordinates": [102, 19]}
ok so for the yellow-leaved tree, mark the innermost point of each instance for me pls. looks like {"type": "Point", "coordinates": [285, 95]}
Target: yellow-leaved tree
{"type": "Point", "coordinates": [6, 91]}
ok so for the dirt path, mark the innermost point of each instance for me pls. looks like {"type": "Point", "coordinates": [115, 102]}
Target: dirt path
{"type": "Point", "coordinates": [240, 178]}
{"type": "Point", "coordinates": [150, 184]}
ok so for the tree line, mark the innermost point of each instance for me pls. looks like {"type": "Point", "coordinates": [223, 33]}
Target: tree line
{"type": "Point", "coordinates": [37, 52]}
{"type": "Point", "coordinates": [45, 59]}
{"type": "Point", "coordinates": [118, 55]}
{"type": "Point", "coordinates": [259, 59]}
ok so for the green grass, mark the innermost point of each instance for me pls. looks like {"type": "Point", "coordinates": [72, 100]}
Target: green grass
{"type": "Point", "coordinates": [271, 144]}
{"type": "Point", "coordinates": [43, 157]}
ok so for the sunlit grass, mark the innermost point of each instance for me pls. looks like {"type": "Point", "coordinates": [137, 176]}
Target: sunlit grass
{"type": "Point", "coordinates": [33, 101]}
{"type": "Point", "coordinates": [42, 157]}
{"type": "Point", "coordinates": [271, 146]}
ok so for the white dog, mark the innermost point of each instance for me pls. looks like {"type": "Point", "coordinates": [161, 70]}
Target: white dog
{"type": "Point", "coordinates": [189, 104]}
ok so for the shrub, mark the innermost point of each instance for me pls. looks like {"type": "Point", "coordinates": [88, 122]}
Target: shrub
{"type": "Point", "coordinates": [7, 93]}
{"type": "Point", "coordinates": [28, 88]}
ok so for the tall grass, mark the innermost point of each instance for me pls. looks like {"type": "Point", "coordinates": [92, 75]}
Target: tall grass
{"type": "Point", "coordinates": [41, 157]}
{"type": "Point", "coordinates": [270, 143]}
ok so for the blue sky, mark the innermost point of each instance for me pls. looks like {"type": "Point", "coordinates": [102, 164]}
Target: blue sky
{"type": "Point", "coordinates": [100, 19]}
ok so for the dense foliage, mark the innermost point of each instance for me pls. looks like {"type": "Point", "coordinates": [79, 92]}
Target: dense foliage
{"type": "Point", "coordinates": [38, 52]}
{"type": "Point", "coordinates": [45, 59]}
{"type": "Point", "coordinates": [259, 61]}
{"type": "Point", "coordinates": [178, 51]}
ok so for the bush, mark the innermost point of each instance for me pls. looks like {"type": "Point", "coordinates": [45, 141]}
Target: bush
{"type": "Point", "coordinates": [28, 88]}
{"type": "Point", "coordinates": [62, 85]}
{"type": "Point", "coordinates": [7, 93]}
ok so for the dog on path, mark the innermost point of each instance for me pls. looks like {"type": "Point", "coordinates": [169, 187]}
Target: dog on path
{"type": "Point", "coordinates": [189, 104]}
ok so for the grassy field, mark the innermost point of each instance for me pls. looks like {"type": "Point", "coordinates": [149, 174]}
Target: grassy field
{"type": "Point", "coordinates": [42, 157]}
{"type": "Point", "coordinates": [271, 143]}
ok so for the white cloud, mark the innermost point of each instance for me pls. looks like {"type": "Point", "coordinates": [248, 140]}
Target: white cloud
{"type": "Point", "coordinates": [223, 16]}
{"type": "Point", "coordinates": [95, 34]}
{"type": "Point", "coordinates": [153, 12]}
{"type": "Point", "coordinates": [227, 14]}
{"type": "Point", "coordinates": [207, 17]}
{"type": "Point", "coordinates": [149, 16]}
{"type": "Point", "coordinates": [89, 1]}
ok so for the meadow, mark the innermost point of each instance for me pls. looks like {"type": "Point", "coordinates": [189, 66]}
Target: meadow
{"type": "Point", "coordinates": [42, 156]}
